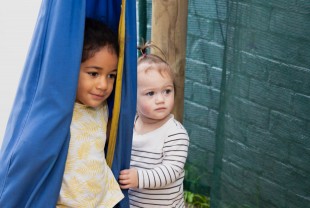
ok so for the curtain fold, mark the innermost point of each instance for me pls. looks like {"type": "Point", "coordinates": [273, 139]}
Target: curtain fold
{"type": "Point", "coordinates": [35, 144]}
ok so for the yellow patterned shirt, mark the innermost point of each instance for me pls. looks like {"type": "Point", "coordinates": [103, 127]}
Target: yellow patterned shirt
{"type": "Point", "coordinates": [88, 181]}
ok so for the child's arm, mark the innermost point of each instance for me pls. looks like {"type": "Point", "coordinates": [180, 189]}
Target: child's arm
{"type": "Point", "coordinates": [175, 154]}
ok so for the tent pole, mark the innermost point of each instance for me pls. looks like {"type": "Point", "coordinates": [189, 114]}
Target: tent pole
{"type": "Point", "coordinates": [169, 27]}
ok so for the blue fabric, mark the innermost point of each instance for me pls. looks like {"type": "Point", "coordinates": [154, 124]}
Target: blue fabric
{"type": "Point", "coordinates": [35, 144]}
{"type": "Point", "coordinates": [129, 95]}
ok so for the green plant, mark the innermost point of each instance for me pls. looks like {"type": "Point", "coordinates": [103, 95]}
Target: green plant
{"type": "Point", "coordinates": [194, 200]}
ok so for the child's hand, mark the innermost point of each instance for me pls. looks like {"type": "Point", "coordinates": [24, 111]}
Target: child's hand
{"type": "Point", "coordinates": [128, 178]}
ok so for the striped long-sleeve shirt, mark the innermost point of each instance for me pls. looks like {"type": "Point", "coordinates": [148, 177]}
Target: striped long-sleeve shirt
{"type": "Point", "coordinates": [160, 157]}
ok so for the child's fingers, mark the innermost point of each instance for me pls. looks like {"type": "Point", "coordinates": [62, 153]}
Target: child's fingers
{"type": "Point", "coordinates": [123, 176]}
{"type": "Point", "coordinates": [126, 186]}
{"type": "Point", "coordinates": [122, 182]}
{"type": "Point", "coordinates": [124, 179]}
{"type": "Point", "coordinates": [125, 171]}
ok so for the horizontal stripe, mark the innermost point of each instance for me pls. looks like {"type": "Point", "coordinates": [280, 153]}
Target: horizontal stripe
{"type": "Point", "coordinates": [158, 153]}
{"type": "Point", "coordinates": [177, 134]}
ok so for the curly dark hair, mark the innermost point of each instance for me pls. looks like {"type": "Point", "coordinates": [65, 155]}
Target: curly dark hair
{"type": "Point", "coordinates": [96, 36]}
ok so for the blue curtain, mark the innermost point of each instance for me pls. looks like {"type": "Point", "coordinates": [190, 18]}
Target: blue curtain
{"type": "Point", "coordinates": [35, 144]}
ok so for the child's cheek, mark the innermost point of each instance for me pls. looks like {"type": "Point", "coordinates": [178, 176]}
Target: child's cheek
{"type": "Point", "coordinates": [145, 107]}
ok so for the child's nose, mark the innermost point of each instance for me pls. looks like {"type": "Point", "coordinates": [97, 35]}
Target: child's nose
{"type": "Point", "coordinates": [102, 83]}
{"type": "Point", "coordinates": [160, 97]}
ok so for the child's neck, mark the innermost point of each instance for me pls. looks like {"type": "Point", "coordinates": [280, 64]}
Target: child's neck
{"type": "Point", "coordinates": [146, 125]}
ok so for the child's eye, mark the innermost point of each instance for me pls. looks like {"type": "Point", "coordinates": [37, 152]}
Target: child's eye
{"type": "Point", "coordinates": [150, 93]}
{"type": "Point", "coordinates": [167, 91]}
{"type": "Point", "coordinates": [93, 74]}
{"type": "Point", "coordinates": [112, 76]}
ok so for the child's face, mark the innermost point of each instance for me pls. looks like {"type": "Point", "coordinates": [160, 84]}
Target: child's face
{"type": "Point", "coordinates": [97, 76]}
{"type": "Point", "coordinates": [155, 96]}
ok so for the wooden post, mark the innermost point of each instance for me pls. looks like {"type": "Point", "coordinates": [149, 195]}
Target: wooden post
{"type": "Point", "coordinates": [169, 27]}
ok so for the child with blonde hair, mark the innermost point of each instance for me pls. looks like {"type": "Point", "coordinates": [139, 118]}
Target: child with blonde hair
{"type": "Point", "coordinates": [160, 143]}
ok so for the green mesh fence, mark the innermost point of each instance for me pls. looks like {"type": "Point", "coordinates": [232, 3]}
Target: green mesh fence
{"type": "Point", "coordinates": [247, 102]}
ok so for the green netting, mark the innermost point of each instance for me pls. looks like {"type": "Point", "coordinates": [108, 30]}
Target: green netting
{"type": "Point", "coordinates": [247, 102]}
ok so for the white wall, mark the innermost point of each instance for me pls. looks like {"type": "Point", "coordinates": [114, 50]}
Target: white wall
{"type": "Point", "coordinates": [17, 21]}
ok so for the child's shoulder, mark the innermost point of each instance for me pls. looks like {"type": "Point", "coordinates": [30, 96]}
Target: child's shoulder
{"type": "Point", "coordinates": [174, 126]}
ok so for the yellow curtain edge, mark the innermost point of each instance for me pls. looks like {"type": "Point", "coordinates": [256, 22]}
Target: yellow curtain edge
{"type": "Point", "coordinates": [118, 88]}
